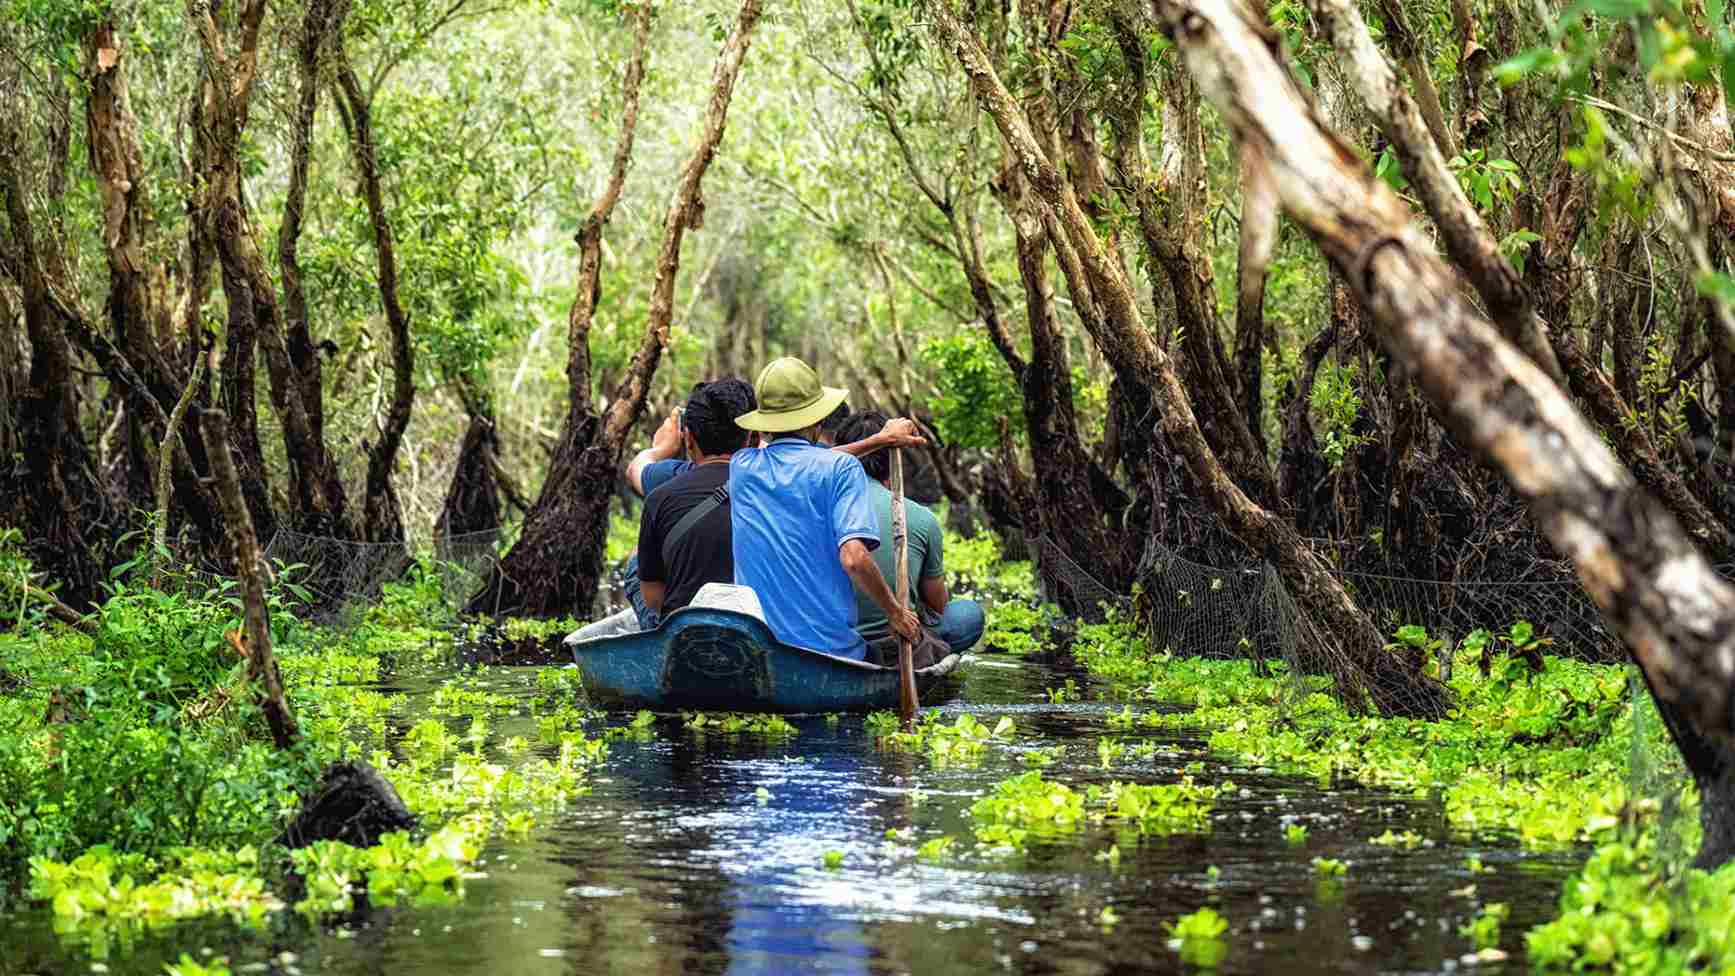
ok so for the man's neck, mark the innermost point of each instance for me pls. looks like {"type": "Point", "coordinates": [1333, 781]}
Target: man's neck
{"type": "Point", "coordinates": [713, 458]}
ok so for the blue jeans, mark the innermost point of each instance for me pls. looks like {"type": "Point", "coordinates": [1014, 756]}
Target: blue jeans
{"type": "Point", "coordinates": [630, 583]}
{"type": "Point", "coordinates": [961, 625]}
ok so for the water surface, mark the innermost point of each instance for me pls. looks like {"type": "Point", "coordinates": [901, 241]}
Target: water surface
{"type": "Point", "coordinates": [675, 864]}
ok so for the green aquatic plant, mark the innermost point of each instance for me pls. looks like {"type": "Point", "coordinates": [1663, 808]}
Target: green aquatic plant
{"type": "Point", "coordinates": [1067, 692]}
{"type": "Point", "coordinates": [1409, 840]}
{"type": "Point", "coordinates": [559, 681]}
{"type": "Point", "coordinates": [966, 740]}
{"type": "Point", "coordinates": [979, 567]}
{"type": "Point", "coordinates": [1544, 758]}
{"type": "Point", "coordinates": [936, 848]}
{"type": "Point", "coordinates": [1019, 628]}
{"type": "Point", "coordinates": [1040, 756]}
{"type": "Point", "coordinates": [1108, 751]}
{"type": "Point", "coordinates": [1626, 912]}
{"type": "Point", "coordinates": [1027, 804]}
{"type": "Point", "coordinates": [881, 724]}
{"type": "Point", "coordinates": [1111, 856]}
{"type": "Point", "coordinates": [1330, 867]}
{"type": "Point", "coordinates": [537, 628]}
{"type": "Point", "coordinates": [731, 723]}
{"type": "Point", "coordinates": [1295, 835]}
{"type": "Point", "coordinates": [1198, 937]}
{"type": "Point", "coordinates": [1483, 931]}
{"type": "Point", "coordinates": [188, 966]}
{"type": "Point", "coordinates": [397, 869]}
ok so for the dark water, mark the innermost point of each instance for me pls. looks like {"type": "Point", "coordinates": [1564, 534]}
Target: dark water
{"type": "Point", "coordinates": [671, 865]}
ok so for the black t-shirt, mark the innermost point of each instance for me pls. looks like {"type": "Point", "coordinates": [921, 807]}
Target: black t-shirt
{"type": "Point", "coordinates": [704, 554]}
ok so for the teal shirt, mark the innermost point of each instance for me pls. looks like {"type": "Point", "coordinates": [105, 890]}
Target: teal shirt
{"type": "Point", "coordinates": [927, 559]}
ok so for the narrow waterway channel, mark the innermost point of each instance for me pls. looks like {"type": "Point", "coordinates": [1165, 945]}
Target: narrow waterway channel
{"type": "Point", "coordinates": [677, 862]}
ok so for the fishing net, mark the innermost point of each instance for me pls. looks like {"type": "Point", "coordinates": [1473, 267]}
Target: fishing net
{"type": "Point", "coordinates": [1242, 611]}
{"type": "Point", "coordinates": [342, 576]}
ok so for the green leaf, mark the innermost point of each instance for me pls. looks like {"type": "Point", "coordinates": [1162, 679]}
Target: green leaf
{"type": "Point", "coordinates": [1525, 63]}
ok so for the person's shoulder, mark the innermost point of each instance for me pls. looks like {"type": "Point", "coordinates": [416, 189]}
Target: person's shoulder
{"type": "Point", "coordinates": [839, 462]}
{"type": "Point", "coordinates": [659, 473]}
{"type": "Point", "coordinates": [922, 517]}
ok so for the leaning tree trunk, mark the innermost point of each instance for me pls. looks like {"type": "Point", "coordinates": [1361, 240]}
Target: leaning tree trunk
{"type": "Point", "coordinates": [1653, 586]}
{"type": "Point", "coordinates": [382, 514]}
{"type": "Point", "coordinates": [230, 66]}
{"type": "Point", "coordinates": [1473, 248]}
{"type": "Point", "coordinates": [555, 568]}
{"type": "Point", "coordinates": [1363, 671]}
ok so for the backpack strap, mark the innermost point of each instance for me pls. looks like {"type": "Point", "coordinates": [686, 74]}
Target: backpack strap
{"type": "Point", "coordinates": [718, 498]}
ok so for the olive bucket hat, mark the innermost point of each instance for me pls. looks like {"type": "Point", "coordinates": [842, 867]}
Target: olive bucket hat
{"type": "Point", "coordinates": [790, 398]}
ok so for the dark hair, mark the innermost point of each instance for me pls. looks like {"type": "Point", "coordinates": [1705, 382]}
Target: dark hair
{"type": "Point", "coordinates": [860, 427]}
{"type": "Point", "coordinates": [711, 412]}
{"type": "Point", "coordinates": [835, 420]}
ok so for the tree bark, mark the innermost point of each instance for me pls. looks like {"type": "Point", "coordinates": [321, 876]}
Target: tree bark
{"type": "Point", "coordinates": [262, 670]}
{"type": "Point", "coordinates": [1067, 509]}
{"type": "Point", "coordinates": [1333, 619]}
{"type": "Point", "coordinates": [230, 63]}
{"type": "Point", "coordinates": [295, 370]}
{"type": "Point", "coordinates": [382, 519]}
{"type": "Point", "coordinates": [1653, 586]}
{"type": "Point", "coordinates": [1473, 248]}
{"type": "Point", "coordinates": [1467, 238]}
{"type": "Point", "coordinates": [48, 486]}
{"type": "Point", "coordinates": [1257, 243]}
{"type": "Point", "coordinates": [556, 565]}
{"type": "Point", "coordinates": [1170, 222]}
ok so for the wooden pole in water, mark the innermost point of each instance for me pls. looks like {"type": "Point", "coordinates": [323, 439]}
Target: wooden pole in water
{"type": "Point", "coordinates": [907, 702]}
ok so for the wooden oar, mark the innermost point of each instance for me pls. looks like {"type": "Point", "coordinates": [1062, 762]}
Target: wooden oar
{"type": "Point", "coordinates": [907, 702]}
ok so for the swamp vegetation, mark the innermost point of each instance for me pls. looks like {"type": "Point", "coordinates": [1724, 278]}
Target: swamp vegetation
{"type": "Point", "coordinates": [1333, 399]}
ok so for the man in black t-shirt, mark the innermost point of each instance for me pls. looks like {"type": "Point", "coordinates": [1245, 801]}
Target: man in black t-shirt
{"type": "Point", "coordinates": [684, 535]}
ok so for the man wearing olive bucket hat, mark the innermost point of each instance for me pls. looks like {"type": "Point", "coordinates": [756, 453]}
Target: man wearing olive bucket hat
{"type": "Point", "coordinates": [803, 521]}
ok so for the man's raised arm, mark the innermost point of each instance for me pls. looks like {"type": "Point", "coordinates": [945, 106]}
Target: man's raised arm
{"type": "Point", "coordinates": [900, 432]}
{"type": "Point", "coordinates": [665, 444]}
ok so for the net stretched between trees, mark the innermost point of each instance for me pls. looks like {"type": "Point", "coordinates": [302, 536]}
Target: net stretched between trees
{"type": "Point", "coordinates": [1246, 611]}
{"type": "Point", "coordinates": [343, 576]}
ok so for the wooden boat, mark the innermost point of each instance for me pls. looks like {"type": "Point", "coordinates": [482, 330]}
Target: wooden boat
{"type": "Point", "coordinates": [704, 658]}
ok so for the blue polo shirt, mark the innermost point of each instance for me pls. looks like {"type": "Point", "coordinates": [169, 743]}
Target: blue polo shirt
{"type": "Point", "coordinates": [793, 504]}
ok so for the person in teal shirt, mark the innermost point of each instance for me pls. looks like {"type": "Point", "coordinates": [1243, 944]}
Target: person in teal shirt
{"type": "Point", "coordinates": [803, 521]}
{"type": "Point", "coordinates": [958, 622]}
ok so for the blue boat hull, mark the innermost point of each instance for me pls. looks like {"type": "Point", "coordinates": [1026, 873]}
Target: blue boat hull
{"type": "Point", "coordinates": [719, 660]}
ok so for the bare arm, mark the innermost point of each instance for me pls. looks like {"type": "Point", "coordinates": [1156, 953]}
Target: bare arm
{"type": "Point", "coordinates": [859, 564]}
{"type": "Point", "coordinates": [899, 432]}
{"type": "Point", "coordinates": [934, 593]}
{"type": "Point", "coordinates": [665, 444]}
{"type": "Point", "coordinates": [653, 593]}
